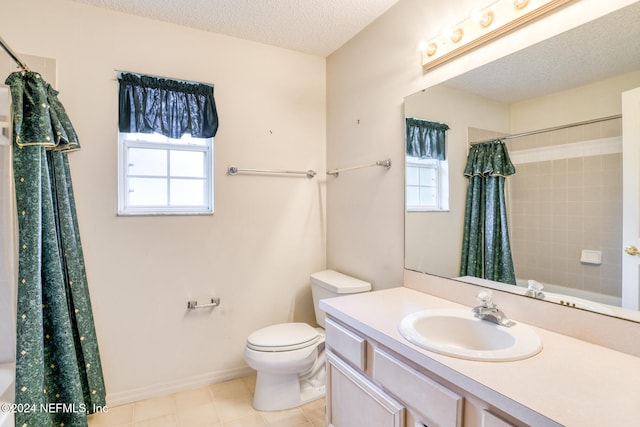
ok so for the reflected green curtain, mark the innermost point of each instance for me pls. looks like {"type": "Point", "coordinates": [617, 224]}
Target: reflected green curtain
{"type": "Point", "coordinates": [57, 357]}
{"type": "Point", "coordinates": [425, 139]}
{"type": "Point", "coordinates": [486, 250]}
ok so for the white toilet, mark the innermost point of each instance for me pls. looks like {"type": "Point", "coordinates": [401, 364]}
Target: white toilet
{"type": "Point", "coordinates": [289, 357]}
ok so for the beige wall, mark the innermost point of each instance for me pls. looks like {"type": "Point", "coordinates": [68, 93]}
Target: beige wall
{"type": "Point", "coordinates": [592, 101]}
{"type": "Point", "coordinates": [367, 80]}
{"type": "Point", "coordinates": [267, 234]}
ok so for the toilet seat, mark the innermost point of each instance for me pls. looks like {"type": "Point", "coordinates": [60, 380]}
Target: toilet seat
{"type": "Point", "coordinates": [283, 337]}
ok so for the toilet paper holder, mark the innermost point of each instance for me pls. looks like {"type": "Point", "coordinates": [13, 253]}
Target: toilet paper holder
{"type": "Point", "coordinates": [193, 305]}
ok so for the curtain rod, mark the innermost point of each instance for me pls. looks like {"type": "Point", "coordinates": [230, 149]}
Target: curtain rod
{"type": "Point", "coordinates": [13, 55]}
{"type": "Point", "coordinates": [162, 77]}
{"type": "Point", "coordinates": [535, 132]}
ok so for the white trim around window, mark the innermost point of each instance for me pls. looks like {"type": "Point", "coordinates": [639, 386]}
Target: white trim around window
{"type": "Point", "coordinates": [427, 185]}
{"type": "Point", "coordinates": [162, 176]}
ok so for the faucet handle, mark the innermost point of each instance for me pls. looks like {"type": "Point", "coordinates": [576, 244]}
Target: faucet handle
{"type": "Point", "coordinates": [485, 297]}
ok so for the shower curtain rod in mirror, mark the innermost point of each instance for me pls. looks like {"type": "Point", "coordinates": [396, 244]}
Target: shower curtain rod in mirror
{"type": "Point", "coordinates": [535, 132]}
{"type": "Point", "coordinates": [13, 55]}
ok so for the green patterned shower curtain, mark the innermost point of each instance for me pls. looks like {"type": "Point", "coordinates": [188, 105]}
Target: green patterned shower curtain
{"type": "Point", "coordinates": [486, 250]}
{"type": "Point", "coordinates": [58, 370]}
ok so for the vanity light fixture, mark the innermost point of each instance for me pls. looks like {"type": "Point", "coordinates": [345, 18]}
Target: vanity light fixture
{"type": "Point", "coordinates": [432, 48]}
{"type": "Point", "coordinates": [456, 35]}
{"type": "Point", "coordinates": [486, 19]}
{"type": "Point", "coordinates": [483, 26]}
{"type": "Point", "coordinates": [520, 4]}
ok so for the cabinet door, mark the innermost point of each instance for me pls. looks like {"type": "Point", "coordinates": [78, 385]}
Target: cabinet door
{"type": "Point", "coordinates": [353, 401]}
{"type": "Point", "coordinates": [438, 405]}
{"type": "Point", "coordinates": [490, 420]}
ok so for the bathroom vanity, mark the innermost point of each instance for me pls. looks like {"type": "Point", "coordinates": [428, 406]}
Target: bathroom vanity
{"type": "Point", "coordinates": [392, 382]}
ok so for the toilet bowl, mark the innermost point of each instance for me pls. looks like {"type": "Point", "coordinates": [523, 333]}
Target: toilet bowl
{"type": "Point", "coordinates": [289, 357]}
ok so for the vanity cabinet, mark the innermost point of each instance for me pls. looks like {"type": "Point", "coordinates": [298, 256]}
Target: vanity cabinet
{"type": "Point", "coordinates": [354, 401]}
{"type": "Point", "coordinates": [368, 385]}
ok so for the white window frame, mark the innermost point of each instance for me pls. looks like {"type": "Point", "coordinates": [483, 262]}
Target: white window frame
{"type": "Point", "coordinates": [150, 141]}
{"type": "Point", "coordinates": [441, 168]}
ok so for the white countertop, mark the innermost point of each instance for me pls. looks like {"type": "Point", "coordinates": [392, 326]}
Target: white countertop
{"type": "Point", "coordinates": [572, 382]}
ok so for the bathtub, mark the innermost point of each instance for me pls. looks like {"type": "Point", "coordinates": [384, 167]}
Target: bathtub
{"type": "Point", "coordinates": [556, 294]}
{"type": "Point", "coordinates": [7, 390]}
{"type": "Point", "coordinates": [579, 298]}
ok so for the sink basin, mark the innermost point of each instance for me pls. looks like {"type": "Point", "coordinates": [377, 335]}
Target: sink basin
{"type": "Point", "coordinates": [458, 333]}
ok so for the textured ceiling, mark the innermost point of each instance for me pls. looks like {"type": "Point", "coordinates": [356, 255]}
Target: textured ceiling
{"type": "Point", "coordinates": [606, 47]}
{"type": "Point", "coordinates": [317, 27]}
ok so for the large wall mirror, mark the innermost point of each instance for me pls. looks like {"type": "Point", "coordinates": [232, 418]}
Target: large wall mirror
{"type": "Point", "coordinates": [565, 201]}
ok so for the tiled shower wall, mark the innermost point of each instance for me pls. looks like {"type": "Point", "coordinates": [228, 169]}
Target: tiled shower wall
{"type": "Point", "coordinates": [560, 207]}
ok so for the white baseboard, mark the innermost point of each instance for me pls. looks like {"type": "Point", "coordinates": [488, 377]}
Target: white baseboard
{"type": "Point", "coordinates": [188, 383]}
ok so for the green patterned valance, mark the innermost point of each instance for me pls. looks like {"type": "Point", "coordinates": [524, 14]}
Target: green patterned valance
{"type": "Point", "coordinates": [425, 139]}
{"type": "Point", "coordinates": [39, 118]}
{"type": "Point", "coordinates": [489, 159]}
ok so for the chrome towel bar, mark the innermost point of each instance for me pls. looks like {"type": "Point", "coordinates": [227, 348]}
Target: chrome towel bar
{"type": "Point", "coordinates": [193, 305]}
{"type": "Point", "coordinates": [385, 163]}
{"type": "Point", "coordinates": [234, 170]}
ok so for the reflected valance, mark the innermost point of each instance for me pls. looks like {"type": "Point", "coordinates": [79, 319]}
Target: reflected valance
{"type": "Point", "coordinates": [169, 107]}
{"type": "Point", "coordinates": [425, 139]}
{"type": "Point", "coordinates": [489, 159]}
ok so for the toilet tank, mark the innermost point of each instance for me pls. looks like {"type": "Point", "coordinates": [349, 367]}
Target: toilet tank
{"type": "Point", "coordinates": [330, 284]}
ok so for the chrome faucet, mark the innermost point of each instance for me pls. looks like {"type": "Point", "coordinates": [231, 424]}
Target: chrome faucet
{"type": "Point", "coordinates": [534, 290]}
{"type": "Point", "coordinates": [490, 312]}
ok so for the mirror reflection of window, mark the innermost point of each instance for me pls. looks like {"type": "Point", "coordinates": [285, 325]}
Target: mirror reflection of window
{"type": "Point", "coordinates": [427, 168]}
{"type": "Point", "coordinates": [427, 184]}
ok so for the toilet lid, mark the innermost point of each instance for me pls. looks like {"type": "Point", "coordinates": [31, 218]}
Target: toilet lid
{"type": "Point", "coordinates": [283, 337]}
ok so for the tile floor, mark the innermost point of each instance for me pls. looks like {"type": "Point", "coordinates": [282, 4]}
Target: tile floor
{"type": "Point", "coordinates": [226, 404]}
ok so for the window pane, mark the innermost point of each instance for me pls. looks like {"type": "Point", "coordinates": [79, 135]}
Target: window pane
{"type": "Point", "coordinates": [412, 175]}
{"type": "Point", "coordinates": [428, 196]}
{"type": "Point", "coordinates": [147, 191]}
{"type": "Point", "coordinates": [412, 196]}
{"type": "Point", "coordinates": [187, 163]}
{"type": "Point", "coordinates": [165, 176]}
{"type": "Point", "coordinates": [149, 162]}
{"type": "Point", "coordinates": [427, 176]}
{"type": "Point", "coordinates": [187, 192]}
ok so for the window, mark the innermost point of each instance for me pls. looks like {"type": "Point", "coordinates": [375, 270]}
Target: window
{"type": "Point", "coordinates": [427, 184]}
{"type": "Point", "coordinates": [427, 180]}
{"type": "Point", "coordinates": [165, 146]}
{"type": "Point", "coordinates": [160, 175]}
